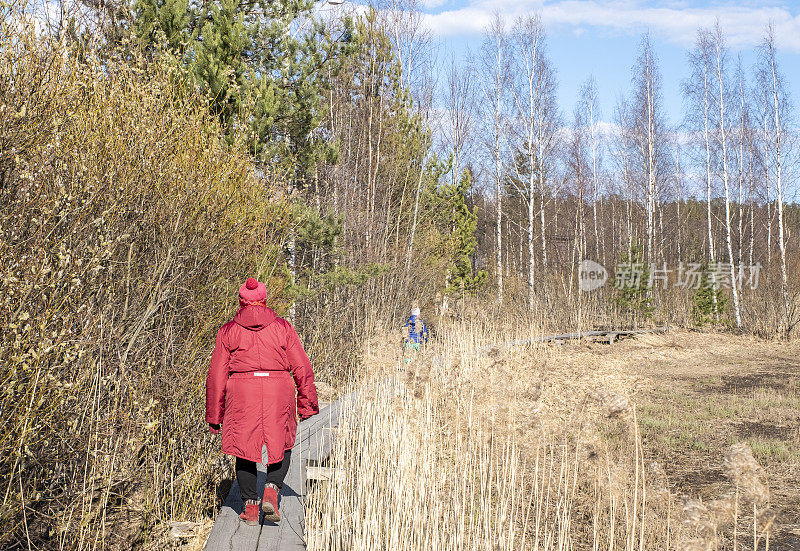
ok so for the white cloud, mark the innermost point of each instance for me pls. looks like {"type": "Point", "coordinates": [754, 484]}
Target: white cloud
{"type": "Point", "coordinates": [463, 21]}
{"type": "Point", "coordinates": [744, 24]}
{"type": "Point", "coordinates": [433, 4]}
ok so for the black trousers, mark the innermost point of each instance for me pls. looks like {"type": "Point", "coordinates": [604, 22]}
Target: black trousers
{"type": "Point", "coordinates": [247, 475]}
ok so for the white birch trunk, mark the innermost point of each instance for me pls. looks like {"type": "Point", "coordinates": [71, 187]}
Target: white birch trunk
{"type": "Point", "coordinates": [678, 196]}
{"type": "Point", "coordinates": [543, 226]}
{"type": "Point", "coordinates": [595, 192]}
{"type": "Point", "coordinates": [779, 184]}
{"type": "Point", "coordinates": [725, 179]}
{"type": "Point", "coordinates": [498, 173]}
{"type": "Point", "coordinates": [707, 137]}
{"type": "Point", "coordinates": [651, 183]}
{"type": "Point", "coordinates": [766, 182]}
{"type": "Point", "coordinates": [531, 256]}
{"type": "Point", "coordinates": [742, 134]}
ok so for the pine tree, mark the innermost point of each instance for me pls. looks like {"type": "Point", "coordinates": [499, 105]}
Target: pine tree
{"type": "Point", "coordinates": [462, 223]}
{"type": "Point", "coordinates": [708, 301]}
{"type": "Point", "coordinates": [259, 76]}
{"type": "Point", "coordinates": [217, 59]}
{"type": "Point", "coordinates": [165, 22]}
{"type": "Point", "coordinates": [633, 296]}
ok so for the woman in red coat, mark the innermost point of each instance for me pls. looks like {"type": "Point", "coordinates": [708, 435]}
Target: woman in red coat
{"type": "Point", "coordinates": [259, 382]}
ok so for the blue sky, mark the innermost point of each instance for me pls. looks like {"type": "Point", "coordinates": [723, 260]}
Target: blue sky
{"type": "Point", "coordinates": [600, 37]}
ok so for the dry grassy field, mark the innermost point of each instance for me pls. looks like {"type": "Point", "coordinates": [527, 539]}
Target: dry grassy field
{"type": "Point", "coordinates": [585, 445]}
{"type": "Point", "coordinates": [699, 393]}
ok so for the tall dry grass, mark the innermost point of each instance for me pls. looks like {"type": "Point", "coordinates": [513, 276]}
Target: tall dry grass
{"type": "Point", "coordinates": [560, 306]}
{"type": "Point", "coordinates": [126, 219]}
{"type": "Point", "coordinates": [441, 454]}
{"type": "Point", "coordinates": [125, 222]}
{"type": "Point", "coordinates": [476, 445]}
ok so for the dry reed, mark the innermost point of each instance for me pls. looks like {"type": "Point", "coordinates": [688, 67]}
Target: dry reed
{"type": "Point", "coordinates": [440, 455]}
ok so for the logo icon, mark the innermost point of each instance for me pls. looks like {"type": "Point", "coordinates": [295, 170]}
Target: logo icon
{"type": "Point", "coordinates": [591, 275]}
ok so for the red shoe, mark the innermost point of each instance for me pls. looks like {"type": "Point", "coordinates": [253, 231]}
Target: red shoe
{"type": "Point", "coordinates": [270, 504]}
{"type": "Point", "coordinates": [250, 513]}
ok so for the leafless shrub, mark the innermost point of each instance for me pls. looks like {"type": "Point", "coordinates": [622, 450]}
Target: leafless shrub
{"type": "Point", "coordinates": [719, 519]}
{"type": "Point", "coordinates": [613, 403]}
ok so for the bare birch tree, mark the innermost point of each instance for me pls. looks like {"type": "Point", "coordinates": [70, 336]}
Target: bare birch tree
{"type": "Point", "coordinates": [458, 128]}
{"type": "Point", "coordinates": [536, 117]}
{"type": "Point", "coordinates": [723, 95]}
{"type": "Point", "coordinates": [413, 46]}
{"type": "Point", "coordinates": [698, 91]}
{"type": "Point", "coordinates": [741, 142]}
{"type": "Point", "coordinates": [678, 176]}
{"type": "Point", "coordinates": [589, 104]}
{"type": "Point", "coordinates": [493, 69]}
{"type": "Point", "coordinates": [766, 154]}
{"type": "Point", "coordinates": [648, 129]}
{"type": "Point", "coordinates": [623, 145]}
{"type": "Point", "coordinates": [778, 111]}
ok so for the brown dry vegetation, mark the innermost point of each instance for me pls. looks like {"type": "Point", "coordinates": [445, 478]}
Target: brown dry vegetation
{"type": "Point", "coordinates": [665, 474]}
{"type": "Point", "coordinates": [127, 220]}
{"type": "Point", "coordinates": [699, 393]}
{"type": "Point", "coordinates": [513, 452]}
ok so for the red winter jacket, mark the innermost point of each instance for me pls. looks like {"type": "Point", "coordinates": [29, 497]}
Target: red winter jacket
{"type": "Point", "coordinates": [260, 379]}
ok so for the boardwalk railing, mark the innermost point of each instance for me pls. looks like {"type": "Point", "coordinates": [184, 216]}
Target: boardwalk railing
{"type": "Point", "coordinates": [314, 442]}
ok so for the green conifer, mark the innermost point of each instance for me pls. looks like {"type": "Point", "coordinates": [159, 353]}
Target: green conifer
{"type": "Point", "coordinates": [462, 222]}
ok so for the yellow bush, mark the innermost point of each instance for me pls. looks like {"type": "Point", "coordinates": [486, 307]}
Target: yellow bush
{"type": "Point", "coordinates": [127, 222]}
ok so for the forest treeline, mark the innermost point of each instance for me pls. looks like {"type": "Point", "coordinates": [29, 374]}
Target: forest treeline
{"type": "Point", "coordinates": [155, 153]}
{"type": "Point", "coordinates": [707, 195]}
{"type": "Point", "coordinates": [413, 182]}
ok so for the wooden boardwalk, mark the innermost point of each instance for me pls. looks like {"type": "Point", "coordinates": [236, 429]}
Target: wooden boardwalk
{"type": "Point", "coordinates": [610, 334]}
{"type": "Point", "coordinates": [313, 445]}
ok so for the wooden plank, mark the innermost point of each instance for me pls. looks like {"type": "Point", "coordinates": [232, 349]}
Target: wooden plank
{"type": "Point", "coordinates": [319, 446]}
{"type": "Point", "coordinates": [224, 528]}
{"type": "Point", "coordinates": [318, 436]}
{"type": "Point", "coordinates": [245, 537]}
{"type": "Point", "coordinates": [319, 439]}
{"type": "Point", "coordinates": [228, 532]}
{"type": "Point", "coordinates": [292, 506]}
{"type": "Point", "coordinates": [320, 473]}
{"type": "Point", "coordinates": [313, 444]}
{"type": "Point", "coordinates": [600, 333]}
{"type": "Point", "coordinates": [327, 417]}
{"type": "Point", "coordinates": [287, 535]}
{"type": "Point", "coordinates": [613, 334]}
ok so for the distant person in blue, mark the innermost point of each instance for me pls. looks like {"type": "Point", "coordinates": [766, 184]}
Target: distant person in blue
{"type": "Point", "coordinates": [417, 331]}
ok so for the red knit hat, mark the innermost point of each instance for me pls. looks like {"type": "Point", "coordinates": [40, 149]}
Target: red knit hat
{"type": "Point", "coordinates": [253, 291]}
